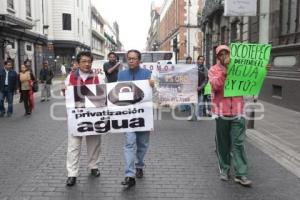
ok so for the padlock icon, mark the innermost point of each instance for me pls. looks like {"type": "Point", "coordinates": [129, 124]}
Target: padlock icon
{"type": "Point", "coordinates": [125, 95]}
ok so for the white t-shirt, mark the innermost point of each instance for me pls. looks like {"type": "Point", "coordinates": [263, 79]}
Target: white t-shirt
{"type": "Point", "coordinates": [63, 70]}
{"type": "Point", "coordinates": [83, 76]}
{"type": "Point", "coordinates": [6, 77]}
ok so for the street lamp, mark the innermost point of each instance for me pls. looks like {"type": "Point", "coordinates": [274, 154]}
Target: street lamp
{"type": "Point", "coordinates": [155, 46]}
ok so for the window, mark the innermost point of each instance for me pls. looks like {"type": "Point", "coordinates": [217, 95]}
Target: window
{"type": "Point", "coordinates": [28, 8]}
{"type": "Point", "coordinates": [78, 26]}
{"type": "Point", "coordinates": [28, 47]}
{"type": "Point", "coordinates": [96, 44]}
{"type": "Point", "coordinates": [82, 28]}
{"type": "Point", "coordinates": [223, 32]}
{"type": "Point", "coordinates": [66, 19]}
{"type": "Point", "coordinates": [277, 91]}
{"type": "Point", "coordinates": [234, 32]}
{"type": "Point", "coordinates": [285, 61]}
{"type": "Point", "coordinates": [10, 4]}
{"type": "Point", "coordinates": [289, 16]}
{"type": "Point", "coordinates": [289, 21]}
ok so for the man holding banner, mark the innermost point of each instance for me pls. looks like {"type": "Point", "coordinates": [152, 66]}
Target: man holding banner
{"type": "Point", "coordinates": [239, 72]}
{"type": "Point", "coordinates": [82, 76]}
{"type": "Point", "coordinates": [136, 143]}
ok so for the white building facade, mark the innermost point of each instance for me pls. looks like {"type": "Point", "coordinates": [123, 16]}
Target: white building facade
{"type": "Point", "coordinates": [69, 30]}
{"type": "Point", "coordinates": [22, 32]}
{"type": "Point", "coordinates": [98, 38]}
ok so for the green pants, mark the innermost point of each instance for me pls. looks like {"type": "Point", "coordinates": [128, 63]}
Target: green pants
{"type": "Point", "coordinates": [230, 137]}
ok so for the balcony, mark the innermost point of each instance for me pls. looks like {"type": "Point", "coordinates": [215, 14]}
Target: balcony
{"type": "Point", "coordinates": [14, 22]}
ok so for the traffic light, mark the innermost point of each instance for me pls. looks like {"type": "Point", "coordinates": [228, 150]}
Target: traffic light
{"type": "Point", "coordinates": [175, 48]}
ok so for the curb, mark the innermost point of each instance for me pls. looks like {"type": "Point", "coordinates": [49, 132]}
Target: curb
{"type": "Point", "coordinates": [277, 150]}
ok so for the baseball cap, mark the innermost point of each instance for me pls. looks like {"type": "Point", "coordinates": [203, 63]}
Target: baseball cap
{"type": "Point", "coordinates": [222, 47]}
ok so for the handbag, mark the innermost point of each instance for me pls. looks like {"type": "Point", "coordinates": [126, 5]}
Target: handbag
{"type": "Point", "coordinates": [35, 86]}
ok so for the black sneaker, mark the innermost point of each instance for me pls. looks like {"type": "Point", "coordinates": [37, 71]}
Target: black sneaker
{"type": "Point", "coordinates": [139, 173]}
{"type": "Point", "coordinates": [243, 180]}
{"type": "Point", "coordinates": [95, 172]}
{"type": "Point", "coordinates": [71, 181]}
{"type": "Point", "coordinates": [128, 181]}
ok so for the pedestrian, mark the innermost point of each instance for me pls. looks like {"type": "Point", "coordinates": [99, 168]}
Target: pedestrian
{"type": "Point", "coordinates": [46, 76]}
{"type": "Point", "coordinates": [8, 87]}
{"type": "Point", "coordinates": [63, 71]}
{"type": "Point", "coordinates": [230, 122]}
{"type": "Point", "coordinates": [82, 76]}
{"type": "Point", "coordinates": [74, 66]}
{"type": "Point", "coordinates": [27, 63]}
{"type": "Point", "coordinates": [136, 143]}
{"type": "Point", "coordinates": [202, 81]}
{"type": "Point", "coordinates": [189, 60]}
{"type": "Point", "coordinates": [26, 79]}
{"type": "Point", "coordinates": [63, 78]}
{"type": "Point", "coordinates": [111, 68]}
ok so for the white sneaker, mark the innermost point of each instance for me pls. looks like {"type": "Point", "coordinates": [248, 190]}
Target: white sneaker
{"type": "Point", "coordinates": [243, 180]}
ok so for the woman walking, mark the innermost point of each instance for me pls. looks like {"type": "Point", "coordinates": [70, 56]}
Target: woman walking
{"type": "Point", "coordinates": [26, 79]}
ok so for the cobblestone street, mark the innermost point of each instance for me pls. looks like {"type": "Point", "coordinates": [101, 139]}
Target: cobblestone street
{"type": "Point", "coordinates": [181, 164]}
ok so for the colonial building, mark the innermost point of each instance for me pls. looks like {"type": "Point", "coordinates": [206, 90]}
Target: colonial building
{"type": "Point", "coordinates": [218, 29]}
{"type": "Point", "coordinates": [178, 25]}
{"type": "Point", "coordinates": [277, 23]}
{"type": "Point", "coordinates": [152, 39]}
{"type": "Point", "coordinates": [282, 19]}
{"type": "Point", "coordinates": [23, 32]}
{"type": "Point", "coordinates": [117, 31]}
{"type": "Point", "coordinates": [111, 43]}
{"type": "Point", "coordinates": [55, 30]}
{"type": "Point", "coordinates": [69, 30]}
{"type": "Point", "coordinates": [98, 38]}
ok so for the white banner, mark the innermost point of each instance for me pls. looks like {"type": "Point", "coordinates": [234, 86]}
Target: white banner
{"type": "Point", "coordinates": [240, 8]}
{"type": "Point", "coordinates": [97, 67]}
{"type": "Point", "coordinates": [109, 108]}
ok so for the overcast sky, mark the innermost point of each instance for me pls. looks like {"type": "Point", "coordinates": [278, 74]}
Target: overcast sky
{"type": "Point", "coordinates": [133, 17]}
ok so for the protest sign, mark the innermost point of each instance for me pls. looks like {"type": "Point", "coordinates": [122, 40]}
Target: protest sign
{"type": "Point", "coordinates": [247, 69]}
{"type": "Point", "coordinates": [109, 108]}
{"type": "Point", "coordinates": [207, 89]}
{"type": "Point", "coordinates": [178, 85]}
{"type": "Point", "coordinates": [97, 67]}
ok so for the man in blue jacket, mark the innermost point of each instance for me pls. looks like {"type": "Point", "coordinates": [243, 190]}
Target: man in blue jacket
{"type": "Point", "coordinates": [8, 86]}
{"type": "Point", "coordinates": [136, 143]}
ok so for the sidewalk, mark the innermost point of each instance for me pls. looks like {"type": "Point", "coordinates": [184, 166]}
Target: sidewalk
{"type": "Point", "coordinates": [277, 135]}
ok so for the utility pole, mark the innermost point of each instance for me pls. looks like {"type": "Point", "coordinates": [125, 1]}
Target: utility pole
{"type": "Point", "coordinates": [188, 26]}
{"type": "Point", "coordinates": [175, 48]}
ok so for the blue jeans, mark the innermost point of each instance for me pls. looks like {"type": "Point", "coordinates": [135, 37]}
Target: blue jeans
{"type": "Point", "coordinates": [184, 107]}
{"type": "Point", "coordinates": [135, 148]}
{"type": "Point", "coordinates": [201, 105]}
{"type": "Point", "coordinates": [9, 96]}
